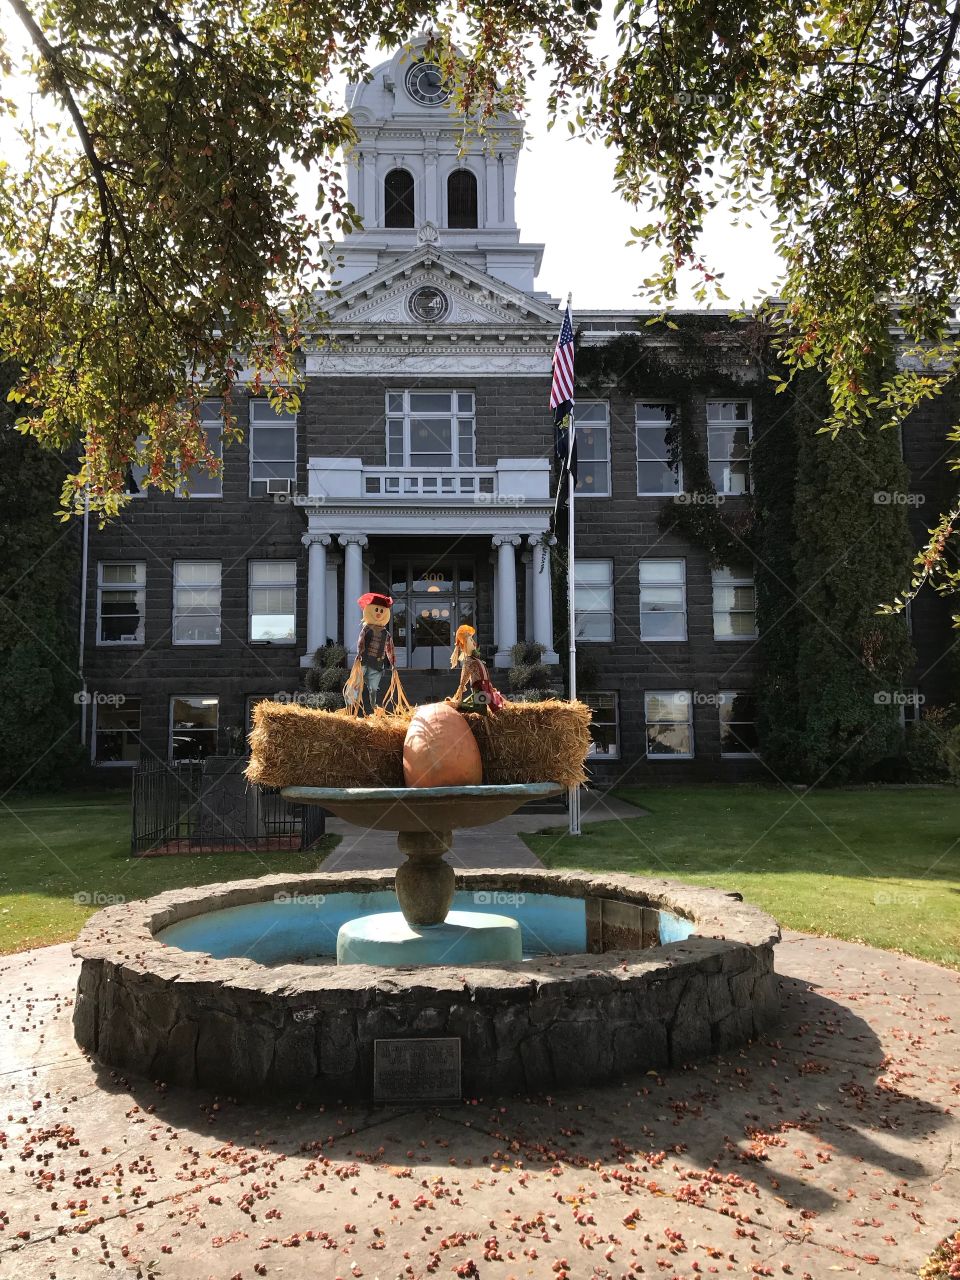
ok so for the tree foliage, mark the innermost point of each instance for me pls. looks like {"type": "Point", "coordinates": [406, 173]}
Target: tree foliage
{"type": "Point", "coordinates": [158, 248]}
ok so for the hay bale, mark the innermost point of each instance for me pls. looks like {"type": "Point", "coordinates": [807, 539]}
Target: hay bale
{"type": "Point", "coordinates": [534, 742]}
{"type": "Point", "coordinates": [294, 746]}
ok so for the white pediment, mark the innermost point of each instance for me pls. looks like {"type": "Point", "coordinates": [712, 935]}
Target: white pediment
{"type": "Point", "coordinates": [474, 300]}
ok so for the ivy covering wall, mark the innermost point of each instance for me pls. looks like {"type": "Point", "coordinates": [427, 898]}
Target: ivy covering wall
{"type": "Point", "coordinates": [39, 570]}
{"type": "Point", "coordinates": [827, 543]}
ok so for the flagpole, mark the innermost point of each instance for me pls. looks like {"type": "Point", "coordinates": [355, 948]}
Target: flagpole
{"type": "Point", "coordinates": [573, 793]}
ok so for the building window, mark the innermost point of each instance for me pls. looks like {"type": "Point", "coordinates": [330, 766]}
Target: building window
{"type": "Point", "coordinates": [729, 432]}
{"type": "Point", "coordinates": [663, 599]}
{"type": "Point", "coordinates": [137, 472]}
{"type": "Point", "coordinates": [592, 420]}
{"type": "Point", "coordinates": [429, 429]}
{"type": "Point", "coordinates": [734, 605]}
{"type": "Point", "coordinates": [658, 449]}
{"type": "Point", "coordinates": [193, 727]}
{"type": "Point", "coordinates": [198, 482]}
{"type": "Point", "coordinates": [461, 199]}
{"type": "Point", "coordinates": [593, 600]}
{"type": "Point", "coordinates": [398, 199]}
{"type": "Point", "coordinates": [273, 601]}
{"type": "Point", "coordinates": [196, 602]}
{"type": "Point", "coordinates": [121, 602]}
{"type": "Point", "coordinates": [669, 720]}
{"type": "Point", "coordinates": [273, 449]}
{"type": "Point", "coordinates": [604, 726]}
{"type": "Point", "coordinates": [738, 723]}
{"type": "Point", "coordinates": [116, 729]}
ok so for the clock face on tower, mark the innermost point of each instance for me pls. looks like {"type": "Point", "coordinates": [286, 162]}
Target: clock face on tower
{"type": "Point", "coordinates": [425, 84]}
{"type": "Point", "coordinates": [428, 303]}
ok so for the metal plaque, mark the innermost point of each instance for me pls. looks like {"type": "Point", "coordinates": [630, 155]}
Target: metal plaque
{"type": "Point", "coordinates": [417, 1070]}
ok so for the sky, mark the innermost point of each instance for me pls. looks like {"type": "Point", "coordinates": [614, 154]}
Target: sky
{"type": "Point", "coordinates": [566, 201]}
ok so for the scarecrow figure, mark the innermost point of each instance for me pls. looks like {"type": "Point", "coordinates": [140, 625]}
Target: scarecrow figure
{"type": "Point", "coordinates": [375, 652]}
{"type": "Point", "coordinates": [475, 691]}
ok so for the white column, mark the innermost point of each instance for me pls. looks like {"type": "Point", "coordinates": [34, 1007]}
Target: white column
{"type": "Point", "coordinates": [431, 191]}
{"type": "Point", "coordinates": [509, 187]}
{"type": "Point", "coordinates": [353, 544]}
{"type": "Point", "coordinates": [492, 209]}
{"type": "Point", "coordinates": [370, 211]}
{"type": "Point", "coordinates": [316, 544]}
{"type": "Point", "coordinates": [506, 597]}
{"type": "Point", "coordinates": [543, 597]}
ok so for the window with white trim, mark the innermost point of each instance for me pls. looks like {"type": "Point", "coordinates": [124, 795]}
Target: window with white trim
{"type": "Point", "coordinates": [592, 419]}
{"type": "Point", "coordinates": [196, 602]}
{"type": "Point", "coordinates": [121, 601]}
{"type": "Point", "coordinates": [593, 600]}
{"type": "Point", "coordinates": [729, 434]}
{"type": "Point", "coordinates": [658, 449]}
{"type": "Point", "coordinates": [734, 605]}
{"type": "Point", "coordinates": [198, 482]}
{"type": "Point", "coordinates": [738, 723]}
{"type": "Point", "coordinates": [604, 726]}
{"type": "Point", "coordinates": [273, 447]}
{"type": "Point", "coordinates": [430, 429]}
{"type": "Point", "coordinates": [194, 722]}
{"type": "Point", "coordinates": [273, 601]}
{"type": "Point", "coordinates": [668, 715]}
{"type": "Point", "coordinates": [116, 730]}
{"type": "Point", "coordinates": [663, 599]}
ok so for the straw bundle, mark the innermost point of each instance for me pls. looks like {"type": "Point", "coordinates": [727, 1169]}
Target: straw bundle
{"type": "Point", "coordinates": [534, 742]}
{"type": "Point", "coordinates": [299, 746]}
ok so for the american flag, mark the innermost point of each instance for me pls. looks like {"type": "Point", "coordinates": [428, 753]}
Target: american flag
{"type": "Point", "coordinates": [561, 398]}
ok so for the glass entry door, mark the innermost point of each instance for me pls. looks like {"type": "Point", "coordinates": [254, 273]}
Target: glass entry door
{"type": "Point", "coordinates": [432, 631]}
{"type": "Point", "coordinates": [432, 598]}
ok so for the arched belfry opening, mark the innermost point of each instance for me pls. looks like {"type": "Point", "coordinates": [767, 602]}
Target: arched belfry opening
{"type": "Point", "coordinates": [461, 199]}
{"type": "Point", "coordinates": [398, 209]}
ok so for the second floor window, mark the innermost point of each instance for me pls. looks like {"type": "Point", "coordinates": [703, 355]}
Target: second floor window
{"type": "Point", "coordinates": [734, 605]}
{"type": "Point", "coordinates": [196, 602]}
{"type": "Point", "coordinates": [658, 449]}
{"type": "Point", "coordinates": [398, 199]}
{"type": "Point", "coordinates": [729, 433]}
{"type": "Point", "coordinates": [121, 602]}
{"type": "Point", "coordinates": [429, 429]}
{"type": "Point", "coordinates": [273, 601]}
{"type": "Point", "coordinates": [592, 418]}
{"type": "Point", "coordinates": [273, 449]}
{"type": "Point", "coordinates": [461, 199]}
{"type": "Point", "coordinates": [593, 600]}
{"type": "Point", "coordinates": [663, 599]}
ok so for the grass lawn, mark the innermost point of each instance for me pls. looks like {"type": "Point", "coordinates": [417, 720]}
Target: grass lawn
{"type": "Point", "coordinates": [877, 866]}
{"type": "Point", "coordinates": [56, 848]}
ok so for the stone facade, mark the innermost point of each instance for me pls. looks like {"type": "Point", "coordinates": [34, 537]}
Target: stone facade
{"type": "Point", "coordinates": [238, 1026]}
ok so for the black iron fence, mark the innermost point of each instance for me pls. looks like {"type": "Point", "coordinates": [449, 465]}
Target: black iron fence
{"type": "Point", "coordinates": [207, 806]}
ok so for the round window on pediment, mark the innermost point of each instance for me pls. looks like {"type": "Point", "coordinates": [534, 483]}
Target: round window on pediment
{"type": "Point", "coordinates": [428, 304]}
{"type": "Point", "coordinates": [426, 85]}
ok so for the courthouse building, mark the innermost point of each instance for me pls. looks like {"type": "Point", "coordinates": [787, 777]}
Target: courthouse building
{"type": "Point", "coordinates": [420, 463]}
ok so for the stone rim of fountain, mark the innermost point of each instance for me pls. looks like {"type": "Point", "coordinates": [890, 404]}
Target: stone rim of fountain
{"type": "Point", "coordinates": [239, 1026]}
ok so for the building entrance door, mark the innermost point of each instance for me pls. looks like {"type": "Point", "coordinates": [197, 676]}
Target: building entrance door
{"type": "Point", "coordinates": [431, 599]}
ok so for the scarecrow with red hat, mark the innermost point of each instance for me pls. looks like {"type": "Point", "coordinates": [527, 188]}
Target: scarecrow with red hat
{"type": "Point", "coordinates": [375, 652]}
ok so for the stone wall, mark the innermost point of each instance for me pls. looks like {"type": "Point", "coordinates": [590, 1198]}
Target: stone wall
{"type": "Point", "coordinates": [237, 1026]}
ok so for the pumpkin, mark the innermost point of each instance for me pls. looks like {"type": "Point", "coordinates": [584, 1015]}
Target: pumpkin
{"type": "Point", "coordinates": [439, 750]}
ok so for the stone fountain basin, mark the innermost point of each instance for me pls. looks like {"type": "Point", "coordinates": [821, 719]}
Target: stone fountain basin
{"type": "Point", "coordinates": [239, 1026]}
{"type": "Point", "coordinates": [422, 808]}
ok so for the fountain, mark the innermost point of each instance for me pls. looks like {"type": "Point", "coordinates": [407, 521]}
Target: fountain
{"type": "Point", "coordinates": [424, 818]}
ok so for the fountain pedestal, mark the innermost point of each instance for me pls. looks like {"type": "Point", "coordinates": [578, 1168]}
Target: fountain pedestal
{"type": "Point", "coordinates": [424, 819]}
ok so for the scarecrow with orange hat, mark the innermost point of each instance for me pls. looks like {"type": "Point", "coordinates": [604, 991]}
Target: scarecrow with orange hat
{"type": "Point", "coordinates": [475, 691]}
{"type": "Point", "coordinates": [375, 652]}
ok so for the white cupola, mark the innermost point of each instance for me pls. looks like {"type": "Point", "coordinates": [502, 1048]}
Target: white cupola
{"type": "Point", "coordinates": [415, 178]}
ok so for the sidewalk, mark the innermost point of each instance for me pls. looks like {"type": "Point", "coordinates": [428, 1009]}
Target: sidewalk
{"type": "Point", "coordinates": [498, 845]}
